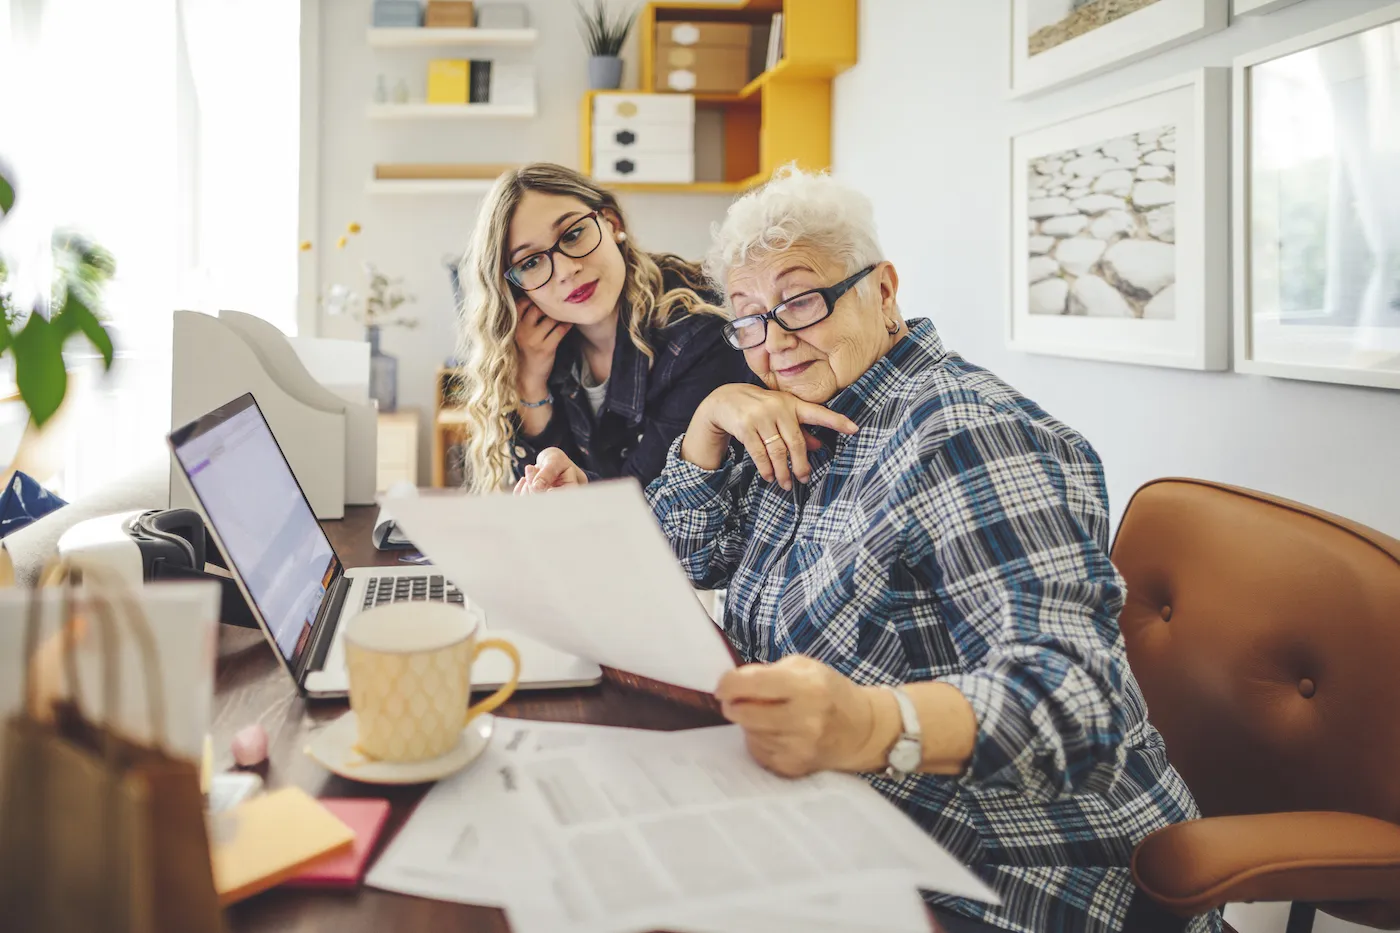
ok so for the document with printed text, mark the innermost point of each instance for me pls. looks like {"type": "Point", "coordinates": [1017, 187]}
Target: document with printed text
{"type": "Point", "coordinates": [591, 829]}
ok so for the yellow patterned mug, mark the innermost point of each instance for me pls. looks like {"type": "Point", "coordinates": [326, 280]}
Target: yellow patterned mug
{"type": "Point", "coordinates": [410, 667]}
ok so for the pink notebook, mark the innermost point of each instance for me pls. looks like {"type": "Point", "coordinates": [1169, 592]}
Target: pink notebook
{"type": "Point", "coordinates": [345, 869]}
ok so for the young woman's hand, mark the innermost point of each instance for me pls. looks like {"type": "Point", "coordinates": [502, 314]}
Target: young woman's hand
{"type": "Point", "coordinates": [768, 424]}
{"type": "Point", "coordinates": [537, 338]}
{"type": "Point", "coordinates": [552, 469]}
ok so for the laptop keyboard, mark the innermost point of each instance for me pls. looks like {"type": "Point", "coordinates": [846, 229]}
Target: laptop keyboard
{"type": "Point", "coordinates": [427, 588]}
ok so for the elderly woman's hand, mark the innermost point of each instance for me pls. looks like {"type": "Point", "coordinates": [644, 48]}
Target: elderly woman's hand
{"type": "Point", "coordinates": [767, 423]}
{"type": "Point", "coordinates": [552, 469]}
{"type": "Point", "coordinates": [800, 716]}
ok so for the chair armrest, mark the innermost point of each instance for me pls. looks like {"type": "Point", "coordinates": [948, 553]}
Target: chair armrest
{"type": "Point", "coordinates": [1194, 867]}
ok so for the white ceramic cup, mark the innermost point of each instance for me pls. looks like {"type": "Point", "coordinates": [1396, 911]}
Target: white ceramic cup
{"type": "Point", "coordinates": [410, 667]}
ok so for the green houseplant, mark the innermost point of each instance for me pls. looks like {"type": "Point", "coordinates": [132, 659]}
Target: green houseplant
{"type": "Point", "coordinates": [604, 37]}
{"type": "Point", "coordinates": [33, 332]}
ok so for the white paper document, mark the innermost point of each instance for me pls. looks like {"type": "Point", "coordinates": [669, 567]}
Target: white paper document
{"type": "Point", "coordinates": [586, 571]}
{"type": "Point", "coordinates": [591, 829]}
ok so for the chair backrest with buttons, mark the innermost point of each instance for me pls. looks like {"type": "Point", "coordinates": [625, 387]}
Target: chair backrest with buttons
{"type": "Point", "coordinates": [1266, 638]}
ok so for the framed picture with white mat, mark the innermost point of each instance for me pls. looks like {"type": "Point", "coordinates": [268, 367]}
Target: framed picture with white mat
{"type": "Point", "coordinates": [1317, 205]}
{"type": "Point", "coordinates": [1054, 42]}
{"type": "Point", "coordinates": [1119, 241]}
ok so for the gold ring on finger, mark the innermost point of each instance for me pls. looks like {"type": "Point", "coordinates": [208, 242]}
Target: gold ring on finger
{"type": "Point", "coordinates": [769, 440]}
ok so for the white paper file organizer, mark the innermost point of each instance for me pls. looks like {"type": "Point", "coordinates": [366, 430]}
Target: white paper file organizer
{"type": "Point", "coordinates": [213, 364]}
{"type": "Point", "coordinates": [281, 361]}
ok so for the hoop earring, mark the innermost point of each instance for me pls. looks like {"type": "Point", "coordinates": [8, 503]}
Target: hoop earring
{"type": "Point", "coordinates": [891, 327]}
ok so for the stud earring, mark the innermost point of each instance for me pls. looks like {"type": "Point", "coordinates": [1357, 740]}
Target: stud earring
{"type": "Point", "coordinates": [622, 237]}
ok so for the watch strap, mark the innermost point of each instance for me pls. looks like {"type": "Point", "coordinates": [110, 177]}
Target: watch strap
{"type": "Point", "coordinates": [910, 733]}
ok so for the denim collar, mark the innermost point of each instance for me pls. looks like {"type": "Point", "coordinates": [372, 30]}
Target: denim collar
{"type": "Point", "coordinates": [627, 382]}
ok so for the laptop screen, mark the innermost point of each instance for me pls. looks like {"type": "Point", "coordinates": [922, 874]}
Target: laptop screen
{"type": "Point", "coordinates": [261, 517]}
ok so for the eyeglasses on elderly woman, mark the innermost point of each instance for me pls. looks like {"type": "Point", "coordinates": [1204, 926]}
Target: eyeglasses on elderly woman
{"type": "Point", "coordinates": [798, 312]}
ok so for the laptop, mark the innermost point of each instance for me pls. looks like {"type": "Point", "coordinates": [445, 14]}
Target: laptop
{"type": "Point", "coordinates": [298, 589]}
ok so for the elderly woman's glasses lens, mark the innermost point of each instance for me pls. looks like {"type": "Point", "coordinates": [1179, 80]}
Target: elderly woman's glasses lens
{"type": "Point", "coordinates": [536, 269]}
{"type": "Point", "coordinates": [797, 312]}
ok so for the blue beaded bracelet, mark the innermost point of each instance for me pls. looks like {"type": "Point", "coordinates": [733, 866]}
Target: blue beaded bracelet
{"type": "Point", "coordinates": [548, 399]}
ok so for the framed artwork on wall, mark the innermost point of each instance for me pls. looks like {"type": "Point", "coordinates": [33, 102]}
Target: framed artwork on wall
{"type": "Point", "coordinates": [1120, 229]}
{"type": "Point", "coordinates": [1256, 7]}
{"type": "Point", "coordinates": [1317, 205]}
{"type": "Point", "coordinates": [1054, 42]}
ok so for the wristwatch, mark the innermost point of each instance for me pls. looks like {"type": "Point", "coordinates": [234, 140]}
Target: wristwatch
{"type": "Point", "coordinates": [908, 751]}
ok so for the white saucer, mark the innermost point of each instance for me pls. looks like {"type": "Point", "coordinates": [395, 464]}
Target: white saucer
{"type": "Point", "coordinates": [334, 748]}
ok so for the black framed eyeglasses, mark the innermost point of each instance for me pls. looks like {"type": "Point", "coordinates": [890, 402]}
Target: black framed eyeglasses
{"type": "Point", "coordinates": [536, 269]}
{"type": "Point", "coordinates": [799, 311]}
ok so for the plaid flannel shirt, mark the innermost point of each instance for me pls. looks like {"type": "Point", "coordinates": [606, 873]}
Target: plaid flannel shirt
{"type": "Point", "coordinates": [961, 535]}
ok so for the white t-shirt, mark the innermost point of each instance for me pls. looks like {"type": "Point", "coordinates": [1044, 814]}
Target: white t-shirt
{"type": "Point", "coordinates": [596, 392]}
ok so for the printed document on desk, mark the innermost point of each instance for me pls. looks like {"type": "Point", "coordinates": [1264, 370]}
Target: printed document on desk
{"type": "Point", "coordinates": [585, 570]}
{"type": "Point", "coordinates": [590, 829]}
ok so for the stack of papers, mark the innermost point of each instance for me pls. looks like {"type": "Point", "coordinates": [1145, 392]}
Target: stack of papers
{"type": "Point", "coordinates": [591, 829]}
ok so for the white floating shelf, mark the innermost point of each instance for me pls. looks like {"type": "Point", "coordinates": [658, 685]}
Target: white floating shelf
{"type": "Point", "coordinates": [450, 111]}
{"type": "Point", "coordinates": [428, 185]}
{"type": "Point", "coordinates": [416, 37]}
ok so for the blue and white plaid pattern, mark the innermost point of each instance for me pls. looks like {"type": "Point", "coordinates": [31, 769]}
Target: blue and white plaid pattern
{"type": "Point", "coordinates": [961, 535]}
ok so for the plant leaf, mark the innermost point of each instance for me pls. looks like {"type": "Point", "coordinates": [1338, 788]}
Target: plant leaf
{"type": "Point", "coordinates": [75, 315]}
{"type": "Point", "coordinates": [39, 371]}
{"type": "Point", "coordinates": [7, 196]}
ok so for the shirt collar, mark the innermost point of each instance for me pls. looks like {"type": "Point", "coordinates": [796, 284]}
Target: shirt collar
{"type": "Point", "coordinates": [863, 398]}
{"type": "Point", "coordinates": [627, 382]}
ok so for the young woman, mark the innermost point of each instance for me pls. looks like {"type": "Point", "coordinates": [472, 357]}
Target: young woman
{"type": "Point", "coordinates": [578, 339]}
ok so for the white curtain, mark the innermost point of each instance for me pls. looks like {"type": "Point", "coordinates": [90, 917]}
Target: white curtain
{"type": "Point", "coordinates": [167, 130]}
{"type": "Point", "coordinates": [241, 129]}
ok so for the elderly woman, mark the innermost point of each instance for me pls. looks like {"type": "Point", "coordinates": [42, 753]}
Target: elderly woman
{"type": "Point", "coordinates": [916, 559]}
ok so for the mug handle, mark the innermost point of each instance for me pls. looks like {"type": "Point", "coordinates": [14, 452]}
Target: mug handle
{"type": "Point", "coordinates": [506, 689]}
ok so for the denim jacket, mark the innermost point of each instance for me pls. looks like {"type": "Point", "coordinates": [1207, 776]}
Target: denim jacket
{"type": "Point", "coordinates": [646, 407]}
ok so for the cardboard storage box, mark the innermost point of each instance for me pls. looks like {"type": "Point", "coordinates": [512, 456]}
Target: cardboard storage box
{"type": "Point", "coordinates": [644, 138]}
{"type": "Point", "coordinates": [450, 14]}
{"type": "Point", "coordinates": [397, 14]}
{"type": "Point", "coordinates": [704, 58]}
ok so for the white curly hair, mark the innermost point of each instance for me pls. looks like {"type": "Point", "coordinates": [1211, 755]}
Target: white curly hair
{"type": "Point", "coordinates": [796, 207]}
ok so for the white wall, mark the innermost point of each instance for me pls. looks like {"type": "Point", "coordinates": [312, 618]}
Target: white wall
{"type": "Point", "coordinates": [409, 235]}
{"type": "Point", "coordinates": [922, 125]}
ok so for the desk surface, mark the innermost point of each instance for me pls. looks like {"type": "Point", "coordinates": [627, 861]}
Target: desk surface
{"type": "Point", "coordinates": [252, 688]}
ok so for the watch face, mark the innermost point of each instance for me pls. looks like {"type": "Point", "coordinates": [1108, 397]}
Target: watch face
{"type": "Point", "coordinates": [906, 755]}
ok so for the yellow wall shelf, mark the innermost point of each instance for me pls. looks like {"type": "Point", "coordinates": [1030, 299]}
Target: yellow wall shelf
{"type": "Point", "coordinates": [783, 115]}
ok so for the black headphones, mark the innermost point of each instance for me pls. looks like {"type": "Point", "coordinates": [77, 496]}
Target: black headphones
{"type": "Point", "coordinates": [183, 550]}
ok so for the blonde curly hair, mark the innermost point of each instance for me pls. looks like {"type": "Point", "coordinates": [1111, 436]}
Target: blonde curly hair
{"type": "Point", "coordinates": [488, 379]}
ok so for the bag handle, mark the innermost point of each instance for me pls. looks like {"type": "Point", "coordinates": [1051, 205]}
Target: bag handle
{"type": "Point", "coordinates": [54, 571]}
{"type": "Point", "coordinates": [104, 607]}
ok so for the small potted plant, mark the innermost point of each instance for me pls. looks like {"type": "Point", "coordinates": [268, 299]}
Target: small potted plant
{"type": "Point", "coordinates": [604, 37]}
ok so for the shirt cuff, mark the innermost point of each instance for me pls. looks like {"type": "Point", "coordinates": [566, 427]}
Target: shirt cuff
{"type": "Point", "coordinates": [1001, 732]}
{"type": "Point", "coordinates": [687, 485]}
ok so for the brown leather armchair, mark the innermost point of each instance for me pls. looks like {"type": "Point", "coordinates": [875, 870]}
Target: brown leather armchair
{"type": "Point", "coordinates": [1266, 637]}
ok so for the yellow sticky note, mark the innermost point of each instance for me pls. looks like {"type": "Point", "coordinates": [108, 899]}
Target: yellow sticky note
{"type": "Point", "coordinates": [268, 839]}
{"type": "Point", "coordinates": [448, 81]}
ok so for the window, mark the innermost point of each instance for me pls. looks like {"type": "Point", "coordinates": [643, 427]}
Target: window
{"type": "Point", "coordinates": [154, 129]}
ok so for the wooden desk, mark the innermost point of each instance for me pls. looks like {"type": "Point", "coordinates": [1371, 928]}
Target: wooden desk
{"type": "Point", "coordinates": [252, 688]}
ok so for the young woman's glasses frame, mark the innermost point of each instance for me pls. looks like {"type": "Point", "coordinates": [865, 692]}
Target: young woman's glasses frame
{"type": "Point", "coordinates": [518, 275]}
